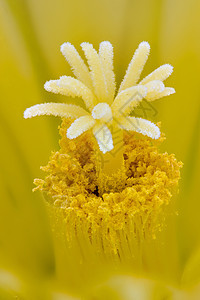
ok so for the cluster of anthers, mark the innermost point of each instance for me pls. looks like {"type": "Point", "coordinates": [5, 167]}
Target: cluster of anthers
{"type": "Point", "coordinates": [97, 87]}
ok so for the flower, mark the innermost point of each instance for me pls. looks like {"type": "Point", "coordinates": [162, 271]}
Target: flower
{"type": "Point", "coordinates": [114, 213]}
{"type": "Point", "coordinates": [30, 32]}
{"type": "Point", "coordinates": [97, 89]}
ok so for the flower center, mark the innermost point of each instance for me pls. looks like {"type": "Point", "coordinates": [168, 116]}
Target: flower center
{"type": "Point", "coordinates": [102, 111]}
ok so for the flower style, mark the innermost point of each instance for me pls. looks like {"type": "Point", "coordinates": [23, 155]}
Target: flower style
{"type": "Point", "coordinates": [97, 88]}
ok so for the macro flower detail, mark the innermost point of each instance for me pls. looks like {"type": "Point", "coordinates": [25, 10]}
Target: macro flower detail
{"type": "Point", "coordinates": [110, 215]}
{"type": "Point", "coordinates": [106, 200]}
{"type": "Point", "coordinates": [96, 85]}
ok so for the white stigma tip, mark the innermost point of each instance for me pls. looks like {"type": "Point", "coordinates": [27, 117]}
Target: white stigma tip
{"type": "Point", "coordinates": [47, 86]}
{"type": "Point", "coordinates": [63, 46]}
{"type": "Point", "coordinates": [27, 114]}
{"type": "Point", "coordinates": [145, 44]}
{"type": "Point", "coordinates": [169, 68]}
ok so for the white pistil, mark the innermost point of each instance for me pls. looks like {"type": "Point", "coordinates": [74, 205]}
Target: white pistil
{"type": "Point", "coordinates": [97, 89]}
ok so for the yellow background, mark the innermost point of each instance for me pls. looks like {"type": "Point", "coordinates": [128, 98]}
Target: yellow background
{"type": "Point", "coordinates": [31, 32]}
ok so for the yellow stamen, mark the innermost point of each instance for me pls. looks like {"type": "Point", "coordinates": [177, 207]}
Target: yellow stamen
{"type": "Point", "coordinates": [125, 211]}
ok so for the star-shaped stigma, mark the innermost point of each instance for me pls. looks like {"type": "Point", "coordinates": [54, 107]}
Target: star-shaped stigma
{"type": "Point", "coordinates": [96, 86]}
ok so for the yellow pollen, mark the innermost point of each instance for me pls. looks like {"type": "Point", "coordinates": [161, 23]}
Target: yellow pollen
{"type": "Point", "coordinates": [131, 204]}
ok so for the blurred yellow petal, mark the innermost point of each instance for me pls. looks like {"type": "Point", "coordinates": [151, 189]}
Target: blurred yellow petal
{"type": "Point", "coordinates": [31, 33]}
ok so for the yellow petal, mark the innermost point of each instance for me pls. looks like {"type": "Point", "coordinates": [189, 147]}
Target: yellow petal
{"type": "Point", "coordinates": [103, 137]}
{"type": "Point", "coordinates": [96, 68]}
{"type": "Point", "coordinates": [55, 109]}
{"type": "Point", "coordinates": [106, 57]}
{"type": "Point", "coordinates": [136, 66]}
{"type": "Point", "coordinates": [79, 126]}
{"type": "Point", "coordinates": [139, 125]}
{"type": "Point", "coordinates": [128, 99]}
{"type": "Point", "coordinates": [161, 73]}
{"type": "Point", "coordinates": [77, 64]}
